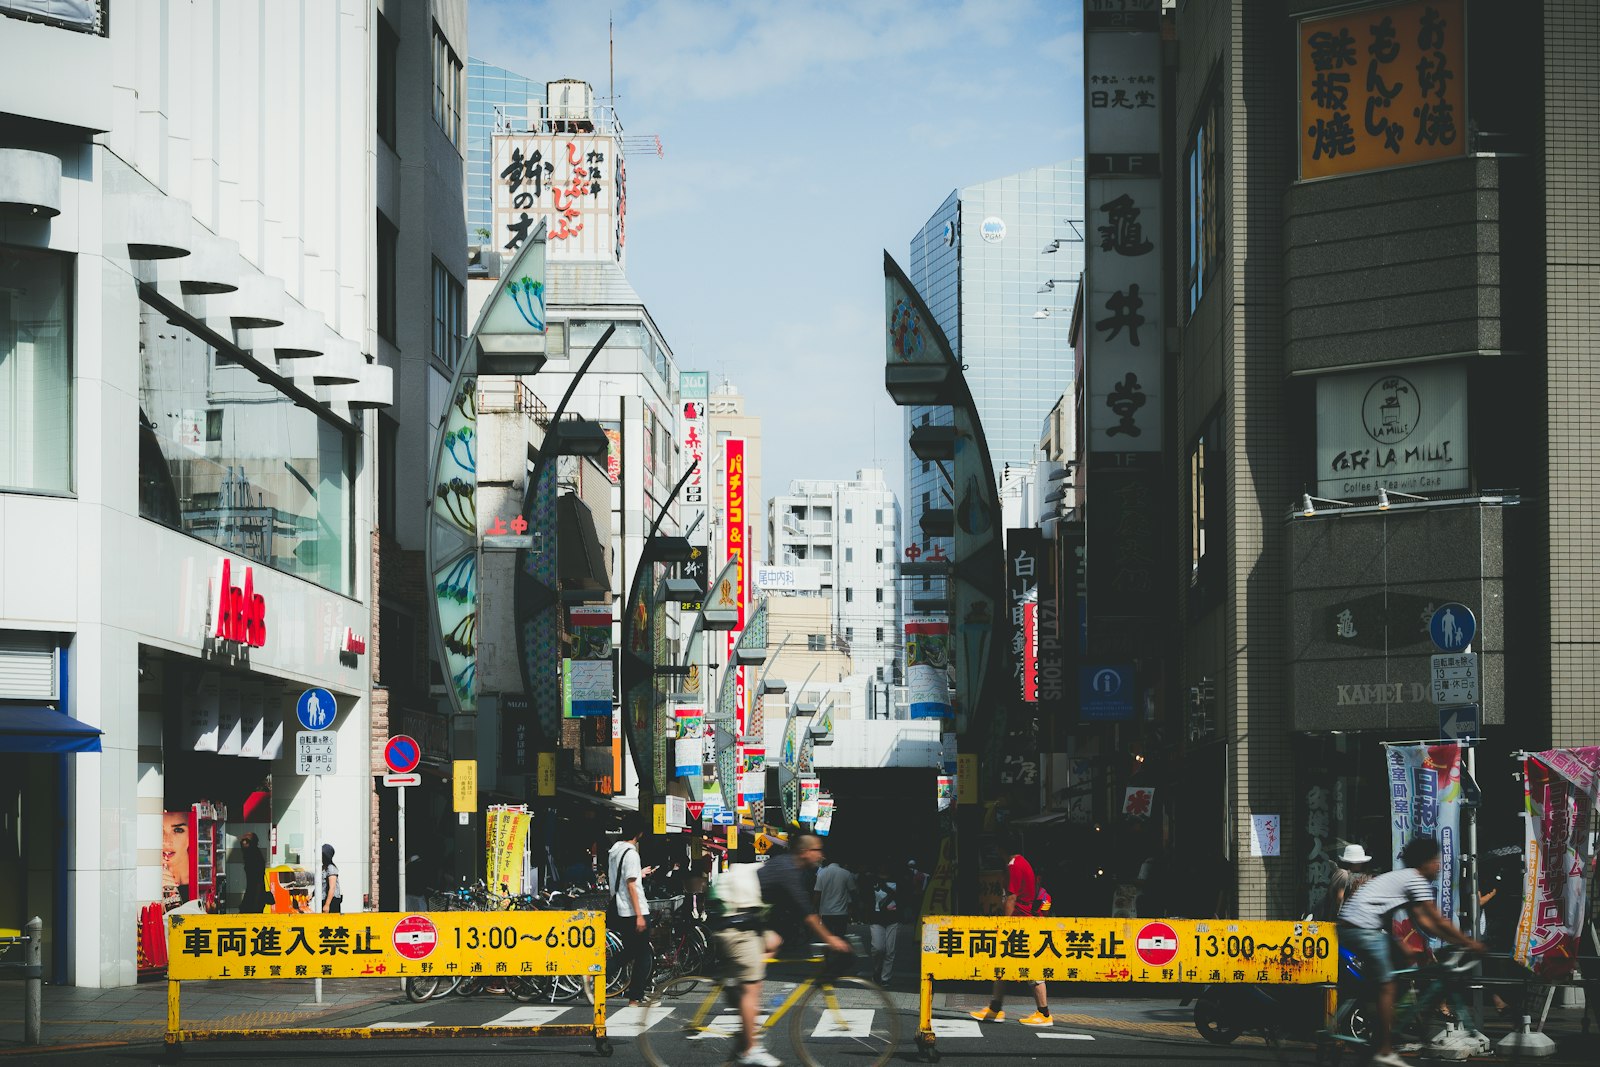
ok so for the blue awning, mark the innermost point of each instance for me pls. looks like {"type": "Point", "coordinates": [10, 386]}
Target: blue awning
{"type": "Point", "coordinates": [36, 728]}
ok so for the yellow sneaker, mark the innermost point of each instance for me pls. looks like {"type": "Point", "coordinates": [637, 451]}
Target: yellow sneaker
{"type": "Point", "coordinates": [1038, 1018]}
{"type": "Point", "coordinates": [989, 1015]}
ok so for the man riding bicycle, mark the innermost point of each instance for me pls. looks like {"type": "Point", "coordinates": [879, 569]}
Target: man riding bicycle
{"type": "Point", "coordinates": [745, 936]}
{"type": "Point", "coordinates": [1366, 921]}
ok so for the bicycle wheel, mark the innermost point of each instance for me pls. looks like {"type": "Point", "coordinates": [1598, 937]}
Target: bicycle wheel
{"type": "Point", "coordinates": [847, 1020]}
{"type": "Point", "coordinates": [526, 988]}
{"type": "Point", "coordinates": [421, 987]}
{"type": "Point", "coordinates": [617, 972]}
{"type": "Point", "coordinates": [689, 1023]}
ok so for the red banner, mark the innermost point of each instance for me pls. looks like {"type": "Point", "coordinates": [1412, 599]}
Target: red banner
{"type": "Point", "coordinates": [1560, 789]}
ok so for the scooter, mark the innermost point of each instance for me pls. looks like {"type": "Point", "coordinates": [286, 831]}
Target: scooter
{"type": "Point", "coordinates": [1222, 1013]}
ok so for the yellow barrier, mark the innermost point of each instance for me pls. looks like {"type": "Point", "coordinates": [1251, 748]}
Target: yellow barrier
{"type": "Point", "coordinates": [984, 948]}
{"type": "Point", "coordinates": [494, 944]}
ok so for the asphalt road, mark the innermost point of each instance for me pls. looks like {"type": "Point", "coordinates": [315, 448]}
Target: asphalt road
{"type": "Point", "coordinates": [1098, 1032]}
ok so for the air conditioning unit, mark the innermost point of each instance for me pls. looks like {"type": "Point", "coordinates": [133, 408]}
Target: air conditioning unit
{"type": "Point", "coordinates": [569, 101]}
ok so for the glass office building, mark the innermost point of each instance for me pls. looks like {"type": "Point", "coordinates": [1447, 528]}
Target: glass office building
{"type": "Point", "coordinates": [984, 265]}
{"type": "Point", "coordinates": [495, 97]}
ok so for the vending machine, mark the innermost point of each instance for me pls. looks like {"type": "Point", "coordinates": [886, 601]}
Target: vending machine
{"type": "Point", "coordinates": [207, 880]}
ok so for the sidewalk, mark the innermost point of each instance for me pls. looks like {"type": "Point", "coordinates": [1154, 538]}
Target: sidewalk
{"type": "Point", "coordinates": [75, 1017]}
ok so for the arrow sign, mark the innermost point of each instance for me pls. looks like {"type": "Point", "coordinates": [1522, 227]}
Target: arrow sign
{"type": "Point", "coordinates": [1460, 722]}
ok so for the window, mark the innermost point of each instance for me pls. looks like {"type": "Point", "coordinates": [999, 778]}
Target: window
{"type": "Point", "coordinates": [849, 555]}
{"type": "Point", "coordinates": [849, 633]}
{"type": "Point", "coordinates": [849, 595]}
{"type": "Point", "coordinates": [1202, 171]}
{"type": "Point", "coordinates": [880, 641]}
{"type": "Point", "coordinates": [926, 466]}
{"type": "Point", "coordinates": [925, 502]}
{"type": "Point", "coordinates": [849, 515]}
{"type": "Point", "coordinates": [879, 594]}
{"type": "Point", "coordinates": [388, 61]}
{"type": "Point", "coordinates": [447, 325]}
{"type": "Point", "coordinates": [273, 487]}
{"type": "Point", "coordinates": [1207, 514]}
{"type": "Point", "coordinates": [880, 555]}
{"type": "Point", "coordinates": [879, 518]}
{"type": "Point", "coordinates": [816, 643]}
{"type": "Point", "coordinates": [446, 87]}
{"type": "Point", "coordinates": [36, 430]}
{"type": "Point", "coordinates": [388, 242]}
{"type": "Point", "coordinates": [388, 488]}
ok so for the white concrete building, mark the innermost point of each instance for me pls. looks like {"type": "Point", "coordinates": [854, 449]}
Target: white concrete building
{"type": "Point", "coordinates": [187, 452]}
{"type": "Point", "coordinates": [844, 535]}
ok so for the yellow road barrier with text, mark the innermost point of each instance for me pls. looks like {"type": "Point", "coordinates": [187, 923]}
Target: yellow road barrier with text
{"type": "Point", "coordinates": [452, 944]}
{"type": "Point", "coordinates": [987, 947]}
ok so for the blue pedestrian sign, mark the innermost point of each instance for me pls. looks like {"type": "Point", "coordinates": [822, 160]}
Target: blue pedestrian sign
{"type": "Point", "coordinates": [1460, 722]}
{"type": "Point", "coordinates": [316, 709]}
{"type": "Point", "coordinates": [1453, 627]}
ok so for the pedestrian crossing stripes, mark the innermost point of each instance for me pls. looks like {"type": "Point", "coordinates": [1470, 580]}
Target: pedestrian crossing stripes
{"type": "Point", "coordinates": [956, 1029]}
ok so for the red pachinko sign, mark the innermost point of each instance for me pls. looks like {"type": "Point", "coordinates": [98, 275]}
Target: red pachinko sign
{"type": "Point", "coordinates": [736, 531]}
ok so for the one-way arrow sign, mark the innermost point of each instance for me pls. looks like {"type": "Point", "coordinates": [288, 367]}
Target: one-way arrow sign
{"type": "Point", "coordinates": [1460, 722]}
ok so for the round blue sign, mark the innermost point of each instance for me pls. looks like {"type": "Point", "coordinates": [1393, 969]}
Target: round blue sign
{"type": "Point", "coordinates": [316, 709]}
{"type": "Point", "coordinates": [1453, 627]}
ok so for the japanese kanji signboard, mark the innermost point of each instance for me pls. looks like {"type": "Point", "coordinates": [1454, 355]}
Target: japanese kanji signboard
{"type": "Point", "coordinates": [575, 181]}
{"type": "Point", "coordinates": [1382, 87]}
{"type": "Point", "coordinates": [1118, 950]}
{"type": "Point", "coordinates": [374, 944]}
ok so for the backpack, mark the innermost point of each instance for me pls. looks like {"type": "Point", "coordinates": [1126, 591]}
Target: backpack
{"type": "Point", "coordinates": [738, 889]}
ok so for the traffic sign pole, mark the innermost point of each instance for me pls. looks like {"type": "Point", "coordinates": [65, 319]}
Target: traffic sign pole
{"type": "Point", "coordinates": [316, 851]}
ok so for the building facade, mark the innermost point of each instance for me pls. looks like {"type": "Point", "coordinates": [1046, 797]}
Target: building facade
{"type": "Point", "coordinates": [188, 343]}
{"type": "Point", "coordinates": [498, 100]}
{"type": "Point", "coordinates": [998, 264]}
{"type": "Point", "coordinates": [842, 536]}
{"type": "Point", "coordinates": [1380, 378]}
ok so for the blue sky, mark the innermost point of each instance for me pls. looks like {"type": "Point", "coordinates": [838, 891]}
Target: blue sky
{"type": "Point", "coordinates": [801, 140]}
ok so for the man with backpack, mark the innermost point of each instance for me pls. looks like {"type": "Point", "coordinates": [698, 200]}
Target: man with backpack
{"type": "Point", "coordinates": [753, 903]}
{"type": "Point", "coordinates": [629, 913]}
{"type": "Point", "coordinates": [1025, 897]}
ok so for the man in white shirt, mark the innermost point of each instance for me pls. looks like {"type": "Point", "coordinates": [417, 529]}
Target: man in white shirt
{"type": "Point", "coordinates": [1366, 920]}
{"type": "Point", "coordinates": [625, 876]}
{"type": "Point", "coordinates": [836, 889]}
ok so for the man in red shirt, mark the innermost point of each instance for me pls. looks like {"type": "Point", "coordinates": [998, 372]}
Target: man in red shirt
{"type": "Point", "coordinates": [1022, 899]}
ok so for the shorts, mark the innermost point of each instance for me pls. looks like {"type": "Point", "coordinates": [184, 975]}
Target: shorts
{"type": "Point", "coordinates": [1375, 950]}
{"type": "Point", "coordinates": [744, 955]}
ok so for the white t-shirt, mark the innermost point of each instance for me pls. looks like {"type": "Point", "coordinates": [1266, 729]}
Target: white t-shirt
{"type": "Point", "coordinates": [622, 864]}
{"type": "Point", "coordinates": [835, 886]}
{"type": "Point", "coordinates": [1372, 906]}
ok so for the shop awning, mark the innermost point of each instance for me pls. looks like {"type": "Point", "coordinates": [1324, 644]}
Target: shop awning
{"type": "Point", "coordinates": [37, 728]}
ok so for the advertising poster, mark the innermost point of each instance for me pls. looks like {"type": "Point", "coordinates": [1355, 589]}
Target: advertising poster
{"type": "Point", "coordinates": [810, 795]}
{"type": "Point", "coordinates": [689, 747]}
{"type": "Point", "coordinates": [1425, 800]}
{"type": "Point", "coordinates": [928, 668]}
{"type": "Point", "coordinates": [753, 776]}
{"type": "Point", "coordinates": [1560, 790]}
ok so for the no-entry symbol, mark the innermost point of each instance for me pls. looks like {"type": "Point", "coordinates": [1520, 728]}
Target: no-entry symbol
{"type": "Point", "coordinates": [1157, 944]}
{"type": "Point", "coordinates": [415, 936]}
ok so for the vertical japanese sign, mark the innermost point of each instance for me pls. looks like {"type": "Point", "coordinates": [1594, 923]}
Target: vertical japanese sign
{"type": "Point", "coordinates": [735, 530]}
{"type": "Point", "coordinates": [1024, 550]}
{"type": "Point", "coordinates": [572, 181]}
{"type": "Point", "coordinates": [1050, 662]}
{"type": "Point", "coordinates": [1124, 332]}
{"type": "Point", "coordinates": [1561, 790]}
{"type": "Point", "coordinates": [1382, 87]}
{"type": "Point", "coordinates": [693, 388]}
{"type": "Point", "coordinates": [1425, 801]}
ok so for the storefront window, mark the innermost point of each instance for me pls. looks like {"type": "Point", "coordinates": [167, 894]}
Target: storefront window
{"type": "Point", "coordinates": [226, 457]}
{"type": "Point", "coordinates": [35, 371]}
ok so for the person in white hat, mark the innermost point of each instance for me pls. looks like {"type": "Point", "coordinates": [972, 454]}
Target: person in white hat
{"type": "Point", "coordinates": [1352, 873]}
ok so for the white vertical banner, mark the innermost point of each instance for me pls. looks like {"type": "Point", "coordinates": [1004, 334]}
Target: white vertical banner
{"type": "Point", "coordinates": [203, 714]}
{"type": "Point", "coordinates": [272, 723]}
{"type": "Point", "coordinates": [252, 706]}
{"type": "Point", "coordinates": [230, 733]}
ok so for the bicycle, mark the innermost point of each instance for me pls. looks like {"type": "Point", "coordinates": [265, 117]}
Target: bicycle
{"type": "Point", "coordinates": [1441, 1002]}
{"type": "Point", "coordinates": [832, 1020]}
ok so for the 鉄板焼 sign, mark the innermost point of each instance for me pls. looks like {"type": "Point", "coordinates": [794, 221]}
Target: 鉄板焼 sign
{"type": "Point", "coordinates": [376, 944]}
{"type": "Point", "coordinates": [976, 947]}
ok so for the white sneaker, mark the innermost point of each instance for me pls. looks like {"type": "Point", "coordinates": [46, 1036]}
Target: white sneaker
{"type": "Point", "coordinates": [1390, 1059]}
{"type": "Point", "coordinates": [757, 1056]}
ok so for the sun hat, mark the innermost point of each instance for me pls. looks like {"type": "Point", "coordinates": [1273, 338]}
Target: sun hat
{"type": "Point", "coordinates": [1354, 854]}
